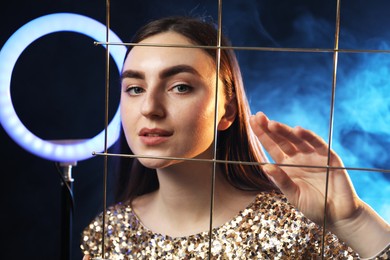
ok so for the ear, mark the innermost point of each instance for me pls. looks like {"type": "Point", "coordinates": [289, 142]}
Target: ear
{"type": "Point", "coordinates": [230, 114]}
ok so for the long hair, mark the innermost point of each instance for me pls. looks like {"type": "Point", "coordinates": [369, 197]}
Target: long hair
{"type": "Point", "coordinates": [237, 143]}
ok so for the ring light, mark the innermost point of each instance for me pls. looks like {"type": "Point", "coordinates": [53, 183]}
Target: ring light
{"type": "Point", "coordinates": [9, 54]}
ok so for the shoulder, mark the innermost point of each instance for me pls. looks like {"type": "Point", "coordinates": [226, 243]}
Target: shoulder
{"type": "Point", "coordinates": [273, 211]}
{"type": "Point", "coordinates": [119, 218]}
{"type": "Point", "coordinates": [271, 214]}
{"type": "Point", "coordinates": [285, 226]}
{"type": "Point", "coordinates": [274, 215]}
{"type": "Point", "coordinates": [118, 214]}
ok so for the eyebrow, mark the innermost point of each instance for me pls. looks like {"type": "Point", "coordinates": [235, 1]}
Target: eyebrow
{"type": "Point", "coordinates": [166, 73]}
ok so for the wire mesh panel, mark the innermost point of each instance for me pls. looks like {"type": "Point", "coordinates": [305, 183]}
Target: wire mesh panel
{"type": "Point", "coordinates": [299, 74]}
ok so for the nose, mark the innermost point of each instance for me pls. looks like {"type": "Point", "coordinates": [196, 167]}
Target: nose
{"type": "Point", "coordinates": [153, 105]}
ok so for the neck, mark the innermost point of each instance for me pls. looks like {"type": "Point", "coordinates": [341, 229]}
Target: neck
{"type": "Point", "coordinates": [182, 202]}
{"type": "Point", "coordinates": [185, 188]}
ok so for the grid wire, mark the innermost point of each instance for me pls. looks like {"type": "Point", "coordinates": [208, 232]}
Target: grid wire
{"type": "Point", "coordinates": [218, 48]}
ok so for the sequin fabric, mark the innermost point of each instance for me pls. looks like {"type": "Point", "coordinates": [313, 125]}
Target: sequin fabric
{"type": "Point", "coordinates": [269, 228]}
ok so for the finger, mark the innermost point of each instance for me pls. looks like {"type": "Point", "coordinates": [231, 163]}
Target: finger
{"type": "Point", "coordinates": [313, 139]}
{"type": "Point", "coordinates": [280, 139]}
{"type": "Point", "coordinates": [284, 134]}
{"type": "Point", "coordinates": [260, 128]}
{"type": "Point", "coordinates": [320, 145]}
{"type": "Point", "coordinates": [282, 181]}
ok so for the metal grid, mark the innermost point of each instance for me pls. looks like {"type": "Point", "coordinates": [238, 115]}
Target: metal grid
{"type": "Point", "coordinates": [334, 51]}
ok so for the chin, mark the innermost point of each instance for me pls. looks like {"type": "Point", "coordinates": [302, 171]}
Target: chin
{"type": "Point", "coordinates": [157, 163]}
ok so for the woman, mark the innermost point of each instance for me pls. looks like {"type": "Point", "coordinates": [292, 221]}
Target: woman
{"type": "Point", "coordinates": [168, 107]}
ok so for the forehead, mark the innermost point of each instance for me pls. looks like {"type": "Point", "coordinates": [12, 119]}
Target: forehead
{"type": "Point", "coordinates": [154, 56]}
{"type": "Point", "coordinates": [169, 37]}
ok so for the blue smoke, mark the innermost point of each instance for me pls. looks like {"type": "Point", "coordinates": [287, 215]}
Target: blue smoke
{"type": "Point", "coordinates": [362, 122]}
{"type": "Point", "coordinates": [295, 88]}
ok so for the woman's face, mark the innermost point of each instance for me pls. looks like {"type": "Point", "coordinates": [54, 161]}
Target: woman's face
{"type": "Point", "coordinates": [168, 101]}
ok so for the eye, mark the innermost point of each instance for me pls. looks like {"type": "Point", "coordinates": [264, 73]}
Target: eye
{"type": "Point", "coordinates": [134, 91]}
{"type": "Point", "coordinates": [181, 88]}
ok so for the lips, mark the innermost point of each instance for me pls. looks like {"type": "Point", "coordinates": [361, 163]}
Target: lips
{"type": "Point", "coordinates": [154, 136]}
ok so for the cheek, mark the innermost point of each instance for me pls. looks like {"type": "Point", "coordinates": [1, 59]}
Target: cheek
{"type": "Point", "coordinates": [200, 119]}
{"type": "Point", "coordinates": [123, 114]}
{"type": "Point", "coordinates": [127, 118]}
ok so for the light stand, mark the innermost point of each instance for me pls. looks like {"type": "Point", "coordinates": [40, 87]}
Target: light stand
{"type": "Point", "coordinates": [67, 205]}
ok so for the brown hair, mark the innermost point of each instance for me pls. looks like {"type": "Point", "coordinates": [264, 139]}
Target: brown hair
{"type": "Point", "coordinates": [237, 143]}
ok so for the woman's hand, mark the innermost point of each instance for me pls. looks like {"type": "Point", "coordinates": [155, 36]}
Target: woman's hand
{"type": "Point", "coordinates": [303, 186]}
{"type": "Point", "coordinates": [347, 216]}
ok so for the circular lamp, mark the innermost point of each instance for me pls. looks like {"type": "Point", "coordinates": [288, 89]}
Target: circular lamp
{"type": "Point", "coordinates": [9, 54]}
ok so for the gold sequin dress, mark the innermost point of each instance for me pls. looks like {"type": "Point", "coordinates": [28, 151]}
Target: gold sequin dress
{"type": "Point", "coordinates": [269, 228]}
